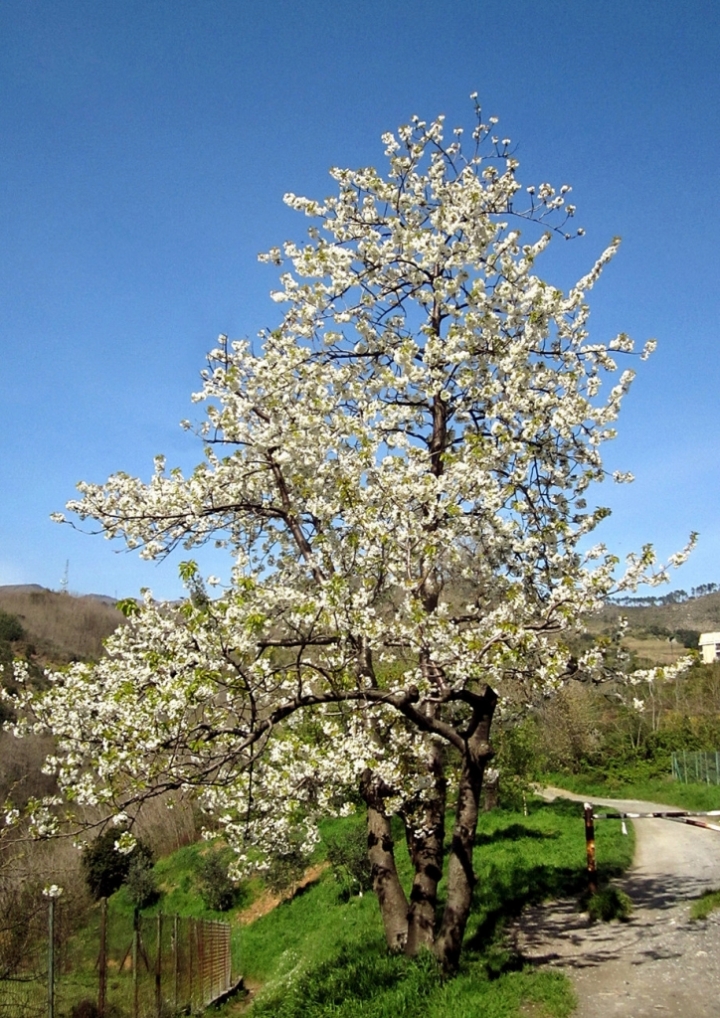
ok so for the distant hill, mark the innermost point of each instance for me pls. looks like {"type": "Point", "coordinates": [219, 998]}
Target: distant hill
{"type": "Point", "coordinates": [61, 627]}
{"type": "Point", "coordinates": [699, 613]}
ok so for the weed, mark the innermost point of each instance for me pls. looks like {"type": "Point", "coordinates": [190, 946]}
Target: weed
{"type": "Point", "coordinates": [705, 904]}
{"type": "Point", "coordinates": [608, 904]}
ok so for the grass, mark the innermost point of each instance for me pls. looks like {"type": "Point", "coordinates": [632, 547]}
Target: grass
{"type": "Point", "coordinates": [705, 904]}
{"type": "Point", "coordinates": [665, 790]}
{"type": "Point", "coordinates": [656, 650]}
{"type": "Point", "coordinates": [608, 904]}
{"type": "Point", "coordinates": [318, 955]}
{"type": "Point", "coordinates": [322, 953]}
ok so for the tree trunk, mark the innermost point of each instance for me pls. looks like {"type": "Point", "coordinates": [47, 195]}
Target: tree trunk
{"type": "Point", "coordinates": [381, 853]}
{"type": "Point", "coordinates": [426, 846]}
{"type": "Point", "coordinates": [491, 789]}
{"type": "Point", "coordinates": [461, 876]}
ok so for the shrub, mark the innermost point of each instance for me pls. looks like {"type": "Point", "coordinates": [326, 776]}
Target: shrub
{"type": "Point", "coordinates": [105, 868]}
{"type": "Point", "coordinates": [689, 638]}
{"type": "Point", "coordinates": [10, 627]}
{"type": "Point", "coordinates": [85, 1009]}
{"type": "Point", "coordinates": [140, 881]}
{"type": "Point", "coordinates": [23, 913]}
{"type": "Point", "coordinates": [284, 871]}
{"type": "Point", "coordinates": [217, 890]}
{"type": "Point", "coordinates": [348, 855]}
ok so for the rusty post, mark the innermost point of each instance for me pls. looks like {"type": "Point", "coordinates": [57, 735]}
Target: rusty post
{"type": "Point", "coordinates": [590, 846]}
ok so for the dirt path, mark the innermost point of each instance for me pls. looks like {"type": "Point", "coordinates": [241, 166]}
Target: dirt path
{"type": "Point", "coordinates": [659, 963]}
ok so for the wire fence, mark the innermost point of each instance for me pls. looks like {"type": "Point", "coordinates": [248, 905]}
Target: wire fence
{"type": "Point", "coordinates": [118, 967]}
{"type": "Point", "coordinates": [696, 767]}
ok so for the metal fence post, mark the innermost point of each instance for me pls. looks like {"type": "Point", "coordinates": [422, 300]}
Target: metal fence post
{"type": "Point", "coordinates": [590, 848]}
{"type": "Point", "coordinates": [51, 957]}
{"type": "Point", "coordinates": [176, 960]}
{"type": "Point", "coordinates": [135, 939]}
{"type": "Point", "coordinates": [158, 967]}
{"type": "Point", "coordinates": [102, 959]}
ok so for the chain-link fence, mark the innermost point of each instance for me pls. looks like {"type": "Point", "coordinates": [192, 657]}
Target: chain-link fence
{"type": "Point", "coordinates": [696, 767]}
{"type": "Point", "coordinates": [118, 967]}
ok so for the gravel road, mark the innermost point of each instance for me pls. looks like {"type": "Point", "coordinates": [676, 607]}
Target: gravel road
{"type": "Point", "coordinates": [660, 962]}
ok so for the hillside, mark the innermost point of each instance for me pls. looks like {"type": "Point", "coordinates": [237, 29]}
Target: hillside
{"type": "Point", "coordinates": [64, 627]}
{"type": "Point", "coordinates": [61, 627]}
{"type": "Point", "coordinates": [699, 613]}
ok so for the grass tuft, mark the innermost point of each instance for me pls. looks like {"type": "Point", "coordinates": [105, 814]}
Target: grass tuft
{"type": "Point", "coordinates": [608, 904]}
{"type": "Point", "coordinates": [705, 904]}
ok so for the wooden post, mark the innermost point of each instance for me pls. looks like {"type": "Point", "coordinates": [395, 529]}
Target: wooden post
{"type": "Point", "coordinates": [590, 846]}
{"type": "Point", "coordinates": [176, 960]}
{"type": "Point", "coordinates": [158, 967]}
{"type": "Point", "coordinates": [102, 960]}
{"type": "Point", "coordinates": [135, 952]}
{"type": "Point", "coordinates": [191, 960]}
{"type": "Point", "coordinates": [201, 960]}
{"type": "Point", "coordinates": [51, 957]}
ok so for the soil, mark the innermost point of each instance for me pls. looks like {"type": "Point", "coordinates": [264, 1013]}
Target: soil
{"type": "Point", "coordinates": [268, 901]}
{"type": "Point", "coordinates": [660, 961]}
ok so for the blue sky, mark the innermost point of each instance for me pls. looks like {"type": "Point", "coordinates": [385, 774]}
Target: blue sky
{"type": "Point", "coordinates": [146, 147]}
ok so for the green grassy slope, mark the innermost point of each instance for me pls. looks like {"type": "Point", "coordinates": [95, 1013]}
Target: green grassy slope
{"type": "Point", "coordinates": [663, 790]}
{"type": "Point", "coordinates": [318, 956]}
{"type": "Point", "coordinates": [322, 953]}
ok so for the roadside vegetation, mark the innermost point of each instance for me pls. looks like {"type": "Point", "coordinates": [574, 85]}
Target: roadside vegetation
{"type": "Point", "coordinates": [705, 904]}
{"type": "Point", "coordinates": [596, 740]}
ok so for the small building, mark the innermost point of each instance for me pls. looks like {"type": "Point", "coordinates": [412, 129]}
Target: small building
{"type": "Point", "coordinates": [710, 647]}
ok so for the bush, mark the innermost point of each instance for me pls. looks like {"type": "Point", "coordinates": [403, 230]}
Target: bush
{"type": "Point", "coordinates": [85, 1009]}
{"type": "Point", "coordinates": [217, 890]}
{"type": "Point", "coordinates": [23, 912]}
{"type": "Point", "coordinates": [140, 881]}
{"type": "Point", "coordinates": [105, 868]}
{"type": "Point", "coordinates": [689, 638]}
{"type": "Point", "coordinates": [10, 627]}
{"type": "Point", "coordinates": [284, 871]}
{"type": "Point", "coordinates": [348, 855]}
